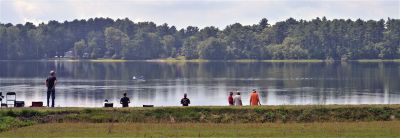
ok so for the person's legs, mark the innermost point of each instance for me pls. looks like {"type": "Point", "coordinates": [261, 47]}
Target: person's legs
{"type": "Point", "coordinates": [53, 96]}
{"type": "Point", "coordinates": [48, 97]}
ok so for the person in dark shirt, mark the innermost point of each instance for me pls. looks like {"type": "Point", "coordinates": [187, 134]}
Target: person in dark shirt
{"type": "Point", "coordinates": [185, 101]}
{"type": "Point", "coordinates": [230, 99]}
{"type": "Point", "coordinates": [51, 82]}
{"type": "Point", "coordinates": [125, 101]}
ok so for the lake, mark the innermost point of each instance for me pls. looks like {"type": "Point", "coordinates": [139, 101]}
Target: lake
{"type": "Point", "coordinates": [88, 84]}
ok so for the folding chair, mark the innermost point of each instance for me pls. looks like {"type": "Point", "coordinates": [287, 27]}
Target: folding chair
{"type": "Point", "coordinates": [11, 97]}
{"type": "Point", "coordinates": [1, 100]}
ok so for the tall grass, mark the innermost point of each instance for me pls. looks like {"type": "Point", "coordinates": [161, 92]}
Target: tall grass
{"type": "Point", "coordinates": [265, 114]}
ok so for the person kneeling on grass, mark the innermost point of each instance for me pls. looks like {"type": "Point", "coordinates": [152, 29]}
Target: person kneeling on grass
{"type": "Point", "coordinates": [185, 101]}
{"type": "Point", "coordinates": [125, 101]}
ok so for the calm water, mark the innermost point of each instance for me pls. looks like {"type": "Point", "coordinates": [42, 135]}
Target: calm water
{"type": "Point", "coordinates": [87, 84]}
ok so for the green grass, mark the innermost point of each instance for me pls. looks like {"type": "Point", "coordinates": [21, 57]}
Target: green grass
{"type": "Point", "coordinates": [378, 60]}
{"type": "Point", "coordinates": [108, 60]}
{"type": "Point", "coordinates": [19, 117]}
{"type": "Point", "coordinates": [180, 60]}
{"type": "Point", "coordinates": [294, 61]}
{"type": "Point", "coordinates": [183, 60]}
{"type": "Point", "coordinates": [343, 129]}
{"type": "Point", "coordinates": [11, 122]}
{"type": "Point", "coordinates": [173, 60]}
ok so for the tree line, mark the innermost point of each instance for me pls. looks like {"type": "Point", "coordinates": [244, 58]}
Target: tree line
{"type": "Point", "coordinates": [319, 38]}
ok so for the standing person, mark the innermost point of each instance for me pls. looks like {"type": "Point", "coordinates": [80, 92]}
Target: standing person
{"type": "Point", "coordinates": [125, 101]}
{"type": "Point", "coordinates": [237, 99]}
{"type": "Point", "coordinates": [51, 82]}
{"type": "Point", "coordinates": [254, 99]}
{"type": "Point", "coordinates": [230, 99]}
{"type": "Point", "coordinates": [185, 101]}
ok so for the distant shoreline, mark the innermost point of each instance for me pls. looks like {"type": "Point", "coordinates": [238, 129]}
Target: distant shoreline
{"type": "Point", "coordinates": [173, 60]}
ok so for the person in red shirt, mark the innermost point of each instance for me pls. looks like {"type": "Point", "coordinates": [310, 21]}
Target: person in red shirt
{"type": "Point", "coordinates": [230, 99]}
{"type": "Point", "coordinates": [254, 99]}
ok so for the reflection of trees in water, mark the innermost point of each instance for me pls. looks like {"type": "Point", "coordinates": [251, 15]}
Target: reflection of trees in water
{"type": "Point", "coordinates": [147, 93]}
{"type": "Point", "coordinates": [285, 75]}
{"type": "Point", "coordinates": [327, 80]}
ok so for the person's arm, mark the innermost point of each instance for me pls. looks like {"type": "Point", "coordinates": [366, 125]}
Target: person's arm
{"type": "Point", "coordinates": [129, 101]}
{"type": "Point", "coordinates": [188, 101]}
{"type": "Point", "coordinates": [47, 84]}
{"type": "Point", "coordinates": [120, 101]}
{"type": "Point", "coordinates": [55, 82]}
{"type": "Point", "coordinates": [181, 101]}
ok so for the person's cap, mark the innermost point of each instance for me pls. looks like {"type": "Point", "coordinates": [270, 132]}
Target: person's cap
{"type": "Point", "coordinates": [52, 72]}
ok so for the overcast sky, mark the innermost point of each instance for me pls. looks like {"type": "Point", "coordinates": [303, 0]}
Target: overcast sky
{"type": "Point", "coordinates": [182, 13]}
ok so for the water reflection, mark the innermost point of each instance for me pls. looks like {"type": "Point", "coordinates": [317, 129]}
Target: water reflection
{"type": "Point", "coordinates": [87, 84]}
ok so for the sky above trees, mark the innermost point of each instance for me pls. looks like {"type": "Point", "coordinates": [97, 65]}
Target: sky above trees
{"type": "Point", "coordinates": [183, 13]}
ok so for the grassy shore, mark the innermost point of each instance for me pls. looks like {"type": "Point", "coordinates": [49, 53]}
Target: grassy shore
{"type": "Point", "coordinates": [378, 60]}
{"type": "Point", "coordinates": [20, 117]}
{"type": "Point", "coordinates": [180, 60]}
{"type": "Point", "coordinates": [107, 60]}
{"type": "Point", "coordinates": [174, 60]}
{"type": "Point", "coordinates": [279, 61]}
{"type": "Point", "coordinates": [183, 60]}
{"type": "Point", "coordinates": [327, 129]}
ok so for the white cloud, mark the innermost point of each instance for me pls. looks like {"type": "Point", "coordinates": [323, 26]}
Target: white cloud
{"type": "Point", "coordinates": [26, 7]}
{"type": "Point", "coordinates": [193, 12]}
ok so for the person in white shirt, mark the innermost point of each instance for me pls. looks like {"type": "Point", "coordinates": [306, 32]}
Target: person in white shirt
{"type": "Point", "coordinates": [237, 99]}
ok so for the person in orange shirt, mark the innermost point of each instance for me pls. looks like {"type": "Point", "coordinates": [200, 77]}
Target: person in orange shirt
{"type": "Point", "coordinates": [254, 99]}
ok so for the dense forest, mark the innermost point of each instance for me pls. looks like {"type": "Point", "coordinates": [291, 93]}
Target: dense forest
{"type": "Point", "coordinates": [319, 38]}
